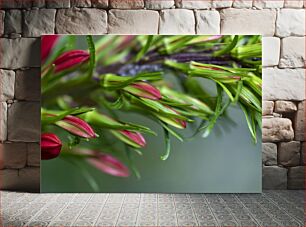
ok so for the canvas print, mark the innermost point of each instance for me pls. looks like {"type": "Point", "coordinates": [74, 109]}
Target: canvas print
{"type": "Point", "coordinates": [151, 113]}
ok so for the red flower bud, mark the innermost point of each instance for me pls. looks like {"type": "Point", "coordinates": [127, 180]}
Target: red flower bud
{"type": "Point", "coordinates": [50, 146]}
{"type": "Point", "coordinates": [136, 137]}
{"type": "Point", "coordinates": [76, 126]}
{"type": "Point", "coordinates": [108, 164]}
{"type": "Point", "coordinates": [47, 43]}
{"type": "Point", "coordinates": [144, 90]}
{"type": "Point", "coordinates": [70, 59]}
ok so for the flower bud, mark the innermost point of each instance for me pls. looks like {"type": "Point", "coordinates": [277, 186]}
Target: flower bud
{"type": "Point", "coordinates": [175, 122]}
{"type": "Point", "coordinates": [50, 146]}
{"type": "Point", "coordinates": [76, 126]}
{"type": "Point", "coordinates": [108, 164]}
{"type": "Point", "coordinates": [144, 90]}
{"type": "Point", "coordinates": [70, 59]}
{"type": "Point", "coordinates": [135, 137]}
{"type": "Point", "coordinates": [47, 43]}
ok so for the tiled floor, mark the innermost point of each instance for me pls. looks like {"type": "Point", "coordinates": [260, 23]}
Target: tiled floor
{"type": "Point", "coordinates": [271, 208]}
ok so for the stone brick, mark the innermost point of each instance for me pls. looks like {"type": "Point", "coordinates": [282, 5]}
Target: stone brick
{"type": "Point", "coordinates": [9, 179]}
{"type": "Point", "coordinates": [303, 158]}
{"type": "Point", "coordinates": [126, 4]}
{"type": "Point", "coordinates": [299, 122]}
{"type": "Point", "coordinates": [80, 3]}
{"type": "Point", "coordinates": [33, 154]}
{"type": "Point", "coordinates": [15, 4]}
{"type": "Point", "coordinates": [276, 130]}
{"type": "Point", "coordinates": [289, 153]}
{"type": "Point", "coordinates": [270, 51]}
{"type": "Point", "coordinates": [248, 21]}
{"type": "Point", "coordinates": [269, 154]}
{"type": "Point", "coordinates": [290, 22]}
{"type": "Point", "coordinates": [27, 85]}
{"type": "Point", "coordinates": [293, 4]}
{"type": "Point", "coordinates": [38, 3]}
{"type": "Point", "coordinates": [285, 107]}
{"type": "Point", "coordinates": [274, 177]}
{"type": "Point", "coordinates": [13, 155]}
{"type": "Point", "coordinates": [23, 52]}
{"type": "Point", "coordinates": [208, 22]}
{"type": "Point", "coordinates": [296, 177]}
{"type": "Point", "coordinates": [7, 85]}
{"type": "Point", "coordinates": [267, 107]}
{"type": "Point", "coordinates": [81, 21]}
{"type": "Point", "coordinates": [242, 4]}
{"type": "Point", "coordinates": [293, 52]}
{"type": "Point", "coordinates": [191, 4]}
{"type": "Point", "coordinates": [3, 121]}
{"type": "Point", "coordinates": [177, 21]}
{"type": "Point", "coordinates": [39, 21]}
{"type": "Point", "coordinates": [13, 21]}
{"type": "Point", "coordinates": [133, 22]}
{"type": "Point", "coordinates": [2, 15]}
{"type": "Point", "coordinates": [26, 179]}
{"type": "Point", "coordinates": [24, 122]}
{"type": "Point", "coordinates": [261, 4]}
{"type": "Point", "coordinates": [283, 84]}
{"type": "Point", "coordinates": [154, 4]}
{"type": "Point", "coordinates": [277, 115]}
{"type": "Point", "coordinates": [99, 3]}
{"type": "Point", "coordinates": [55, 4]}
{"type": "Point", "coordinates": [221, 4]}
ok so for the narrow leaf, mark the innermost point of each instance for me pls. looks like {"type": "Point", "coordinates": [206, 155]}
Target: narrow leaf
{"type": "Point", "coordinates": [168, 145]}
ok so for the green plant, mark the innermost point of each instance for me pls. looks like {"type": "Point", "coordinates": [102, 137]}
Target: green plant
{"type": "Point", "coordinates": [84, 90]}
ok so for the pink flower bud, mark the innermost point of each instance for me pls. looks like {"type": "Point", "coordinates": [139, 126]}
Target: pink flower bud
{"type": "Point", "coordinates": [144, 90]}
{"type": "Point", "coordinates": [50, 146]}
{"type": "Point", "coordinates": [136, 137]}
{"type": "Point", "coordinates": [47, 43]}
{"type": "Point", "coordinates": [70, 59]}
{"type": "Point", "coordinates": [182, 123]}
{"type": "Point", "coordinates": [76, 126]}
{"type": "Point", "coordinates": [108, 164]}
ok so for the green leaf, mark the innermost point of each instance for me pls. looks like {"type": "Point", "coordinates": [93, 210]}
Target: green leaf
{"type": "Point", "coordinates": [131, 162]}
{"type": "Point", "coordinates": [113, 105]}
{"type": "Point", "coordinates": [172, 132]}
{"type": "Point", "coordinates": [226, 90]}
{"type": "Point", "coordinates": [92, 52]}
{"type": "Point", "coordinates": [47, 75]}
{"type": "Point", "coordinates": [144, 49]}
{"type": "Point", "coordinates": [47, 119]}
{"type": "Point", "coordinates": [103, 121]}
{"type": "Point", "coordinates": [115, 82]}
{"type": "Point", "coordinates": [168, 145]}
{"type": "Point", "coordinates": [250, 99]}
{"type": "Point", "coordinates": [228, 48]}
{"type": "Point", "coordinates": [250, 122]}
{"type": "Point", "coordinates": [219, 110]}
{"type": "Point", "coordinates": [181, 66]}
{"type": "Point", "coordinates": [238, 91]}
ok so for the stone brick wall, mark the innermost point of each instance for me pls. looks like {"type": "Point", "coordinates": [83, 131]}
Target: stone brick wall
{"type": "Point", "coordinates": [281, 22]}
